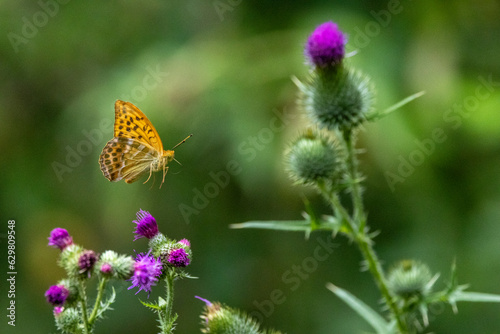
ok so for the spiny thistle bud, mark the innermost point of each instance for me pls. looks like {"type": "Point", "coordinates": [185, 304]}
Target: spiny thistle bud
{"type": "Point", "coordinates": [219, 318]}
{"type": "Point", "coordinates": [174, 254]}
{"type": "Point", "coordinates": [68, 320]}
{"type": "Point", "coordinates": [338, 99]}
{"type": "Point", "coordinates": [72, 286]}
{"type": "Point", "coordinates": [410, 278]}
{"type": "Point", "coordinates": [312, 158]}
{"type": "Point", "coordinates": [69, 260]}
{"type": "Point", "coordinates": [115, 266]}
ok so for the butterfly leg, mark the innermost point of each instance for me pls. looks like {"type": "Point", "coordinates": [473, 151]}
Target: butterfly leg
{"type": "Point", "coordinates": [150, 173]}
{"type": "Point", "coordinates": [165, 170]}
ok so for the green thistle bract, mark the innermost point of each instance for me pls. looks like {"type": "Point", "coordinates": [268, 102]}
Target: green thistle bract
{"type": "Point", "coordinates": [410, 278]}
{"type": "Point", "coordinates": [337, 98]}
{"type": "Point", "coordinates": [220, 319]}
{"type": "Point", "coordinates": [115, 266]}
{"type": "Point", "coordinates": [312, 158]}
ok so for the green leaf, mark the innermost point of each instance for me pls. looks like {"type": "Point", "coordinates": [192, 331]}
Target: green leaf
{"type": "Point", "coordinates": [106, 305]}
{"type": "Point", "coordinates": [151, 306]}
{"type": "Point", "coordinates": [464, 296]}
{"type": "Point", "coordinates": [284, 225]}
{"type": "Point", "coordinates": [378, 323]}
{"type": "Point", "coordinates": [377, 115]}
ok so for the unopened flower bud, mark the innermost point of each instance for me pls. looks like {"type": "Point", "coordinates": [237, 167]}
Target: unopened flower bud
{"type": "Point", "coordinates": [312, 158]}
{"type": "Point", "coordinates": [410, 278]}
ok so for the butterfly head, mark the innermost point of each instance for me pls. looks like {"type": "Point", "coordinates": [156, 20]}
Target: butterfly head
{"type": "Point", "coordinates": [168, 155]}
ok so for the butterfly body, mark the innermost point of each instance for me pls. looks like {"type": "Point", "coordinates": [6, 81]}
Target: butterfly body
{"type": "Point", "coordinates": [136, 148]}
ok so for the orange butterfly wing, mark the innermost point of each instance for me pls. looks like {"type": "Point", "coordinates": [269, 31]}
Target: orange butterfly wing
{"type": "Point", "coordinates": [126, 159]}
{"type": "Point", "coordinates": [130, 122]}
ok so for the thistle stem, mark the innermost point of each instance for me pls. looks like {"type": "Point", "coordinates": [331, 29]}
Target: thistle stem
{"type": "Point", "coordinates": [100, 292]}
{"type": "Point", "coordinates": [352, 165]}
{"type": "Point", "coordinates": [168, 321]}
{"type": "Point", "coordinates": [83, 305]}
{"type": "Point", "coordinates": [170, 296]}
{"type": "Point", "coordinates": [356, 228]}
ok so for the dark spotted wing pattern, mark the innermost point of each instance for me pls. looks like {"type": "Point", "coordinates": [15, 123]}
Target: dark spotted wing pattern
{"type": "Point", "coordinates": [126, 159]}
{"type": "Point", "coordinates": [130, 122]}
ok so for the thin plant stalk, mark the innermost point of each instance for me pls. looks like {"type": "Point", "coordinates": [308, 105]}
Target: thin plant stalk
{"type": "Point", "coordinates": [100, 292]}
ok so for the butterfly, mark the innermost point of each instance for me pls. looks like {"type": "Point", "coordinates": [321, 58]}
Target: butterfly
{"type": "Point", "coordinates": [136, 147]}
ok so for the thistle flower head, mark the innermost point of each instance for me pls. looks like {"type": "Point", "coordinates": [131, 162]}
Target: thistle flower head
{"type": "Point", "coordinates": [116, 266]}
{"type": "Point", "coordinates": [68, 319]}
{"type": "Point", "coordinates": [147, 269]}
{"type": "Point", "coordinates": [86, 261]}
{"type": "Point", "coordinates": [106, 269]}
{"type": "Point", "coordinates": [58, 310]}
{"type": "Point", "coordinates": [146, 225]}
{"type": "Point", "coordinates": [60, 238]}
{"type": "Point", "coordinates": [326, 45]}
{"type": "Point", "coordinates": [178, 257]}
{"type": "Point", "coordinates": [312, 158]}
{"type": "Point", "coordinates": [185, 242]}
{"type": "Point", "coordinates": [57, 295]}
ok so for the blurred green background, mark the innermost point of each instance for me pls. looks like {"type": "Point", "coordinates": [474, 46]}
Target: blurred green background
{"type": "Point", "coordinates": [222, 70]}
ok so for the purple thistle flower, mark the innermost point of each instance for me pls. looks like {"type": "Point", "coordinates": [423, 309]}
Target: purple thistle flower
{"type": "Point", "coordinates": [86, 261]}
{"type": "Point", "coordinates": [147, 269]}
{"type": "Point", "coordinates": [58, 310]}
{"type": "Point", "coordinates": [185, 242]}
{"type": "Point", "coordinates": [146, 225]}
{"type": "Point", "coordinates": [326, 45]}
{"type": "Point", "coordinates": [178, 258]}
{"type": "Point", "coordinates": [57, 294]}
{"type": "Point", "coordinates": [60, 238]}
{"type": "Point", "coordinates": [106, 269]}
{"type": "Point", "coordinates": [207, 302]}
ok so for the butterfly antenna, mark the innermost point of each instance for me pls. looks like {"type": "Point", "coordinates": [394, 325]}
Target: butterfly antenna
{"type": "Point", "coordinates": [177, 161]}
{"type": "Point", "coordinates": [182, 142]}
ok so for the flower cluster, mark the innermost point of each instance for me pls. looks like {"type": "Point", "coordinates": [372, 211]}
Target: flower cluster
{"type": "Point", "coordinates": [165, 260]}
{"type": "Point", "coordinates": [165, 256]}
{"type": "Point", "coordinates": [81, 265]}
